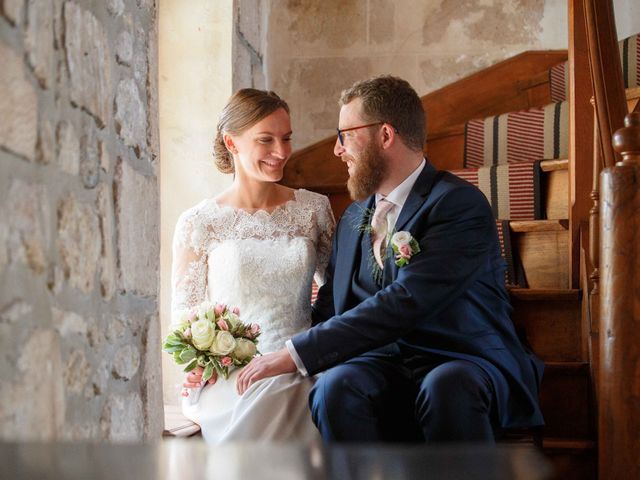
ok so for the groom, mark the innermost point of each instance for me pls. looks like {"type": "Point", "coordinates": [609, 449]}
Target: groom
{"type": "Point", "coordinates": [412, 329]}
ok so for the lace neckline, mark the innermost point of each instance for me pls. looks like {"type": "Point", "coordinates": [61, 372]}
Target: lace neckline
{"type": "Point", "coordinates": [259, 212]}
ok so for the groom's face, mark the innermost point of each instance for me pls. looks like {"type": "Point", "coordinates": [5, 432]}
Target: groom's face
{"type": "Point", "coordinates": [361, 152]}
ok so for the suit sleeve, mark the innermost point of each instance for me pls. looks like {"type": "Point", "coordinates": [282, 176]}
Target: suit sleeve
{"type": "Point", "coordinates": [455, 235]}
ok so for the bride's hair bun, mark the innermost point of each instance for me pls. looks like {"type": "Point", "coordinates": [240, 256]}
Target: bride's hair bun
{"type": "Point", "coordinates": [245, 108]}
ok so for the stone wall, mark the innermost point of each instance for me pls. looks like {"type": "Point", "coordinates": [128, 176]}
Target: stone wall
{"type": "Point", "coordinates": [250, 19]}
{"type": "Point", "coordinates": [79, 214]}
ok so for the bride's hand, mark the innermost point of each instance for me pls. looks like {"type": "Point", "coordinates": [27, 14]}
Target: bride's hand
{"type": "Point", "coordinates": [194, 380]}
{"type": "Point", "coordinates": [268, 365]}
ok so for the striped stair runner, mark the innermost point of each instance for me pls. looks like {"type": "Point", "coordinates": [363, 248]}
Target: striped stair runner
{"type": "Point", "coordinates": [513, 189]}
{"type": "Point", "coordinates": [534, 134]}
{"type": "Point", "coordinates": [629, 58]}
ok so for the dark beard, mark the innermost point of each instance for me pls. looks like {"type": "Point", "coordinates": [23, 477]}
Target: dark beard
{"type": "Point", "coordinates": [370, 170]}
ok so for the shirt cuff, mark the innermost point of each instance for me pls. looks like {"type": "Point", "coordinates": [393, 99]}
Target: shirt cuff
{"type": "Point", "coordinates": [296, 358]}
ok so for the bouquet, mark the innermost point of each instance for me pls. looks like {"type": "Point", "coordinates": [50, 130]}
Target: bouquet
{"type": "Point", "coordinates": [212, 336]}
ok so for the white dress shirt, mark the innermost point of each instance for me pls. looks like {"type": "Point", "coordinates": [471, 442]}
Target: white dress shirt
{"type": "Point", "coordinates": [398, 196]}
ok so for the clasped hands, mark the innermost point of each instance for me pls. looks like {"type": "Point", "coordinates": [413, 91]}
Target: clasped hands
{"type": "Point", "coordinates": [264, 366]}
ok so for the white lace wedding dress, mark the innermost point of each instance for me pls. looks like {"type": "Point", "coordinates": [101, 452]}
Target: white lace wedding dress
{"type": "Point", "coordinates": [264, 264]}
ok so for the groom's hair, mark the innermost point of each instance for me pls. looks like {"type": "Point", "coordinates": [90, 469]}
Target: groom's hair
{"type": "Point", "coordinates": [394, 101]}
{"type": "Point", "coordinates": [245, 108]}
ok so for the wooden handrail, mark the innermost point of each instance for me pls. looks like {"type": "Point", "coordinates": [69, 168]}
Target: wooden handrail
{"type": "Point", "coordinates": [619, 259]}
{"type": "Point", "coordinates": [606, 72]}
{"type": "Point", "coordinates": [619, 412]}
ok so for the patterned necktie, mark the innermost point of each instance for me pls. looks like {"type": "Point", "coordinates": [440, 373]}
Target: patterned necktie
{"type": "Point", "coordinates": [379, 227]}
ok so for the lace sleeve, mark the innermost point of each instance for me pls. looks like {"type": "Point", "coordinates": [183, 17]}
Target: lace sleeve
{"type": "Point", "coordinates": [326, 225]}
{"type": "Point", "coordinates": [189, 268]}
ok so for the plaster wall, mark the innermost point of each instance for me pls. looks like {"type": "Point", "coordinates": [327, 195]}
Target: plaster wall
{"type": "Point", "coordinates": [195, 82]}
{"type": "Point", "coordinates": [316, 49]}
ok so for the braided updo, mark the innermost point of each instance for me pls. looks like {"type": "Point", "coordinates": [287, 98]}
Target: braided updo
{"type": "Point", "coordinates": [245, 108]}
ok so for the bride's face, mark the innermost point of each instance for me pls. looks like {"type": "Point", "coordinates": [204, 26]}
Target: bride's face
{"type": "Point", "coordinates": [262, 151]}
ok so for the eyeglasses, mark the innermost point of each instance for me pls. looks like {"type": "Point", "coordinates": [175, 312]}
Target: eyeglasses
{"type": "Point", "coordinates": [340, 132]}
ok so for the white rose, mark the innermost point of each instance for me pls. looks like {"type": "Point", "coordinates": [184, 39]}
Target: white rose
{"type": "Point", "coordinates": [204, 309]}
{"type": "Point", "coordinates": [202, 334]}
{"type": "Point", "coordinates": [223, 344]}
{"type": "Point", "coordinates": [401, 238]}
{"type": "Point", "coordinates": [244, 349]}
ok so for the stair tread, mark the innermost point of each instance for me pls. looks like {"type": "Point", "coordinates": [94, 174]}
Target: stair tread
{"type": "Point", "coordinates": [568, 444]}
{"type": "Point", "coordinates": [539, 225]}
{"type": "Point", "coordinates": [568, 366]}
{"type": "Point", "coordinates": [533, 294]}
{"type": "Point", "coordinates": [551, 165]}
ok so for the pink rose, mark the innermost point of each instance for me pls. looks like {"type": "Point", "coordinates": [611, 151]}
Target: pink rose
{"type": "Point", "coordinates": [222, 324]}
{"type": "Point", "coordinates": [227, 361]}
{"type": "Point", "coordinates": [187, 333]}
{"type": "Point", "coordinates": [405, 250]}
{"type": "Point", "coordinates": [220, 308]}
{"type": "Point", "coordinates": [236, 311]}
{"type": "Point", "coordinates": [254, 330]}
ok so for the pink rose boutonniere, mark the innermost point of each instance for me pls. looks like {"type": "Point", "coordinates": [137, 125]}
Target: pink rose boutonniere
{"type": "Point", "coordinates": [404, 246]}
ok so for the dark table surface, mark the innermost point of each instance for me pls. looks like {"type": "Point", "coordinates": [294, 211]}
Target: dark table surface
{"type": "Point", "coordinates": [192, 459]}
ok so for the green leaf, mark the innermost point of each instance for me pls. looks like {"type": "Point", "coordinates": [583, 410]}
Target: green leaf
{"type": "Point", "coordinates": [208, 372]}
{"type": "Point", "coordinates": [188, 354]}
{"type": "Point", "coordinates": [191, 366]}
{"type": "Point", "coordinates": [177, 358]}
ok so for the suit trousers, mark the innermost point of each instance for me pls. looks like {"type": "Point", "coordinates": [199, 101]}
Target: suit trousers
{"type": "Point", "coordinates": [376, 398]}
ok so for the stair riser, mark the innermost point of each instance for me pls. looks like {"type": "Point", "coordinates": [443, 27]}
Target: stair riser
{"type": "Point", "coordinates": [545, 257]}
{"type": "Point", "coordinates": [553, 328]}
{"type": "Point", "coordinates": [565, 400]}
{"type": "Point", "coordinates": [555, 194]}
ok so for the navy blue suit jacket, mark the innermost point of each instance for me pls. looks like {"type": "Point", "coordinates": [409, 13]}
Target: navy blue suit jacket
{"type": "Point", "coordinates": [449, 301]}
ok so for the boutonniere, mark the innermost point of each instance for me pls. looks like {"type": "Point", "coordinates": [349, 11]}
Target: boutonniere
{"type": "Point", "coordinates": [404, 246]}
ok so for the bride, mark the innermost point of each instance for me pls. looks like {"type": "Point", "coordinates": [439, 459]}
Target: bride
{"type": "Point", "coordinates": [256, 246]}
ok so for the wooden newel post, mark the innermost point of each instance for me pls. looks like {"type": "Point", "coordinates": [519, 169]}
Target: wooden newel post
{"type": "Point", "coordinates": [619, 390]}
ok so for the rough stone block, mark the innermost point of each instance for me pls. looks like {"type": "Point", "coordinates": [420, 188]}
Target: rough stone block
{"type": "Point", "coordinates": [68, 323]}
{"type": "Point", "coordinates": [137, 204]}
{"type": "Point", "coordinates": [124, 48]}
{"type": "Point", "coordinates": [90, 158]}
{"type": "Point", "coordinates": [115, 7]}
{"type": "Point", "coordinates": [152, 379]}
{"type": "Point", "coordinates": [4, 255]}
{"type": "Point", "coordinates": [12, 10]}
{"type": "Point", "coordinates": [140, 60]}
{"type": "Point", "coordinates": [105, 157]}
{"type": "Point", "coordinates": [131, 119]}
{"type": "Point", "coordinates": [46, 146]}
{"type": "Point", "coordinates": [32, 401]}
{"type": "Point", "coordinates": [15, 311]}
{"type": "Point", "coordinates": [18, 106]}
{"type": "Point", "coordinates": [39, 40]}
{"type": "Point", "coordinates": [68, 148]}
{"type": "Point", "coordinates": [28, 213]}
{"type": "Point", "coordinates": [88, 56]}
{"type": "Point", "coordinates": [77, 372]}
{"type": "Point", "coordinates": [122, 418]}
{"type": "Point", "coordinates": [126, 362]}
{"type": "Point", "coordinates": [78, 242]}
{"type": "Point", "coordinates": [107, 255]}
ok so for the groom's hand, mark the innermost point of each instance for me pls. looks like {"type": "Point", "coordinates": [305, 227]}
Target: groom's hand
{"type": "Point", "coordinates": [268, 365]}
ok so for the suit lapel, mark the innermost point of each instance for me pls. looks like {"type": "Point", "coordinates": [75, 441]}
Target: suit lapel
{"type": "Point", "coordinates": [416, 197]}
{"type": "Point", "coordinates": [412, 205]}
